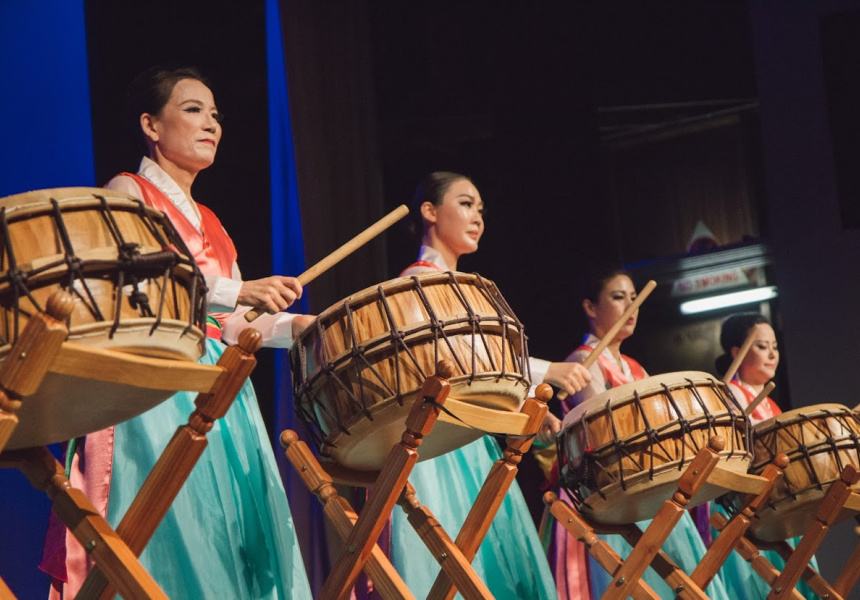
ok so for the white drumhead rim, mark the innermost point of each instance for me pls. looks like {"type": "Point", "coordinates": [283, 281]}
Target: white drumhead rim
{"type": "Point", "coordinates": [794, 415]}
{"type": "Point", "coordinates": [36, 198]}
{"type": "Point", "coordinates": [361, 297]}
{"type": "Point", "coordinates": [625, 393]}
{"type": "Point", "coordinates": [135, 336]}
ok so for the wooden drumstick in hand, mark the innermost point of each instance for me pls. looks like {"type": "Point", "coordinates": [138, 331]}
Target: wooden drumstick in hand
{"type": "Point", "coordinates": [764, 393]}
{"type": "Point", "coordinates": [739, 358]}
{"type": "Point", "coordinates": [616, 327]}
{"type": "Point", "coordinates": [348, 248]}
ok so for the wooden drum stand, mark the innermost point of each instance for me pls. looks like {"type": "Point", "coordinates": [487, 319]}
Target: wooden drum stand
{"type": "Point", "coordinates": [647, 545]}
{"type": "Point", "coordinates": [782, 583]}
{"type": "Point", "coordinates": [391, 486]}
{"type": "Point", "coordinates": [41, 349]}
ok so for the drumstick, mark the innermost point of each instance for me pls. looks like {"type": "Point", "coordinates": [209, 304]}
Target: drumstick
{"type": "Point", "coordinates": [348, 248]}
{"type": "Point", "coordinates": [736, 363]}
{"type": "Point", "coordinates": [616, 327]}
{"type": "Point", "coordinates": [764, 393]}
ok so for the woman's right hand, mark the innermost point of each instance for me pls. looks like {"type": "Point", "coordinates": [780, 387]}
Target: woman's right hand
{"type": "Point", "coordinates": [571, 377]}
{"type": "Point", "coordinates": [270, 294]}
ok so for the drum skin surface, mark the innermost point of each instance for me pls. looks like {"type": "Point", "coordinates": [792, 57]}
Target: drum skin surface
{"type": "Point", "coordinates": [136, 291]}
{"type": "Point", "coordinates": [357, 370]}
{"type": "Point", "coordinates": [625, 449]}
{"type": "Point", "coordinates": [819, 441]}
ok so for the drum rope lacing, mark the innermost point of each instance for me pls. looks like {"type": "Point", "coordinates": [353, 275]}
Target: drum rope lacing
{"type": "Point", "coordinates": [827, 441]}
{"type": "Point", "coordinates": [575, 479]}
{"type": "Point", "coordinates": [397, 341]}
{"type": "Point", "coordinates": [73, 263]}
{"type": "Point", "coordinates": [16, 278]}
{"type": "Point", "coordinates": [134, 263]}
{"type": "Point", "coordinates": [129, 263]}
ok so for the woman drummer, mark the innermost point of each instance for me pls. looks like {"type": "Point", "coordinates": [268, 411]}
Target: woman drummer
{"type": "Point", "coordinates": [758, 366]}
{"type": "Point", "coordinates": [756, 369]}
{"type": "Point", "coordinates": [510, 560]}
{"type": "Point", "coordinates": [229, 533]}
{"type": "Point", "coordinates": [605, 295]}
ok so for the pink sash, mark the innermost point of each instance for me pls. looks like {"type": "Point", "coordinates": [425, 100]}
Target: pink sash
{"type": "Point", "coordinates": [767, 409]}
{"type": "Point", "coordinates": [613, 375]}
{"type": "Point", "coordinates": [211, 247]}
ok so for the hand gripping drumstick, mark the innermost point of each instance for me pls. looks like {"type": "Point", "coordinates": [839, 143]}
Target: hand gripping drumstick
{"type": "Point", "coordinates": [348, 248]}
{"type": "Point", "coordinates": [764, 393]}
{"type": "Point", "coordinates": [616, 327]}
{"type": "Point", "coordinates": [739, 358]}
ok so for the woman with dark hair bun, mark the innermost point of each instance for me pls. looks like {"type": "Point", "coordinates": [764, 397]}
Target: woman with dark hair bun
{"type": "Point", "coordinates": [605, 294]}
{"type": "Point", "coordinates": [229, 532]}
{"type": "Point", "coordinates": [758, 366]}
{"type": "Point", "coordinates": [448, 214]}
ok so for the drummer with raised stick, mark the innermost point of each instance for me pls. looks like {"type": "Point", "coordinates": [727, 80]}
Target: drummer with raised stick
{"type": "Point", "coordinates": [749, 360]}
{"type": "Point", "coordinates": [448, 219]}
{"type": "Point", "coordinates": [609, 300]}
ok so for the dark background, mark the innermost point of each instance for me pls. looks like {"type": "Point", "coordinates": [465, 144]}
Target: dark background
{"type": "Point", "coordinates": [514, 96]}
{"type": "Point", "coordinates": [507, 95]}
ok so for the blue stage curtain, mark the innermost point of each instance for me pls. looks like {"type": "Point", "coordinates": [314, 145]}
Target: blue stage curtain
{"type": "Point", "coordinates": [288, 258]}
{"type": "Point", "coordinates": [46, 142]}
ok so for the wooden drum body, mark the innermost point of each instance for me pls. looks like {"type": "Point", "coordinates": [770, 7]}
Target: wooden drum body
{"type": "Point", "coordinates": [357, 370]}
{"type": "Point", "coordinates": [819, 441]}
{"type": "Point", "coordinates": [626, 448]}
{"type": "Point", "coordinates": [136, 290]}
{"type": "Point", "coordinates": [135, 286]}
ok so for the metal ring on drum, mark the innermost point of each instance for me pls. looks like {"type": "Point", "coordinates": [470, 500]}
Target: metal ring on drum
{"type": "Point", "coordinates": [623, 451]}
{"type": "Point", "coordinates": [819, 440]}
{"type": "Point", "coordinates": [136, 290]}
{"type": "Point", "coordinates": [357, 370]}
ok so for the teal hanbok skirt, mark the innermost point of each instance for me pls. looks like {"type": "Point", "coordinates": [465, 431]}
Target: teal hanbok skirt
{"type": "Point", "coordinates": [511, 560]}
{"type": "Point", "coordinates": [229, 533]}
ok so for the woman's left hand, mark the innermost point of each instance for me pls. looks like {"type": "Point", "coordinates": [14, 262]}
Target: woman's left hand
{"type": "Point", "coordinates": [549, 429]}
{"type": "Point", "coordinates": [270, 294]}
{"type": "Point", "coordinates": [300, 323]}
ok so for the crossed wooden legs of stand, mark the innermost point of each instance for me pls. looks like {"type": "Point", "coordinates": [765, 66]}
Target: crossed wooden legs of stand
{"type": "Point", "coordinates": [392, 487]}
{"type": "Point", "coordinates": [647, 545]}
{"type": "Point", "coordinates": [797, 559]}
{"type": "Point", "coordinates": [114, 552]}
{"type": "Point", "coordinates": [20, 375]}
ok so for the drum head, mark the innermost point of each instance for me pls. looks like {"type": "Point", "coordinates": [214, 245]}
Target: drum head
{"type": "Point", "coordinates": [369, 441]}
{"type": "Point", "coordinates": [643, 387]}
{"type": "Point", "coordinates": [819, 441]}
{"type": "Point", "coordinates": [358, 370]}
{"type": "Point", "coordinates": [65, 407]}
{"type": "Point", "coordinates": [627, 448]}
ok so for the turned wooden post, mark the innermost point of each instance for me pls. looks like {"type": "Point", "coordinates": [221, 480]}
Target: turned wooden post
{"type": "Point", "coordinates": [750, 553]}
{"type": "Point", "coordinates": [602, 552]}
{"type": "Point", "coordinates": [827, 512]}
{"type": "Point", "coordinates": [392, 478]}
{"type": "Point", "coordinates": [495, 488]}
{"type": "Point", "coordinates": [74, 509]}
{"type": "Point", "coordinates": [450, 557]}
{"type": "Point", "coordinates": [850, 573]}
{"type": "Point", "coordinates": [694, 477]}
{"type": "Point", "coordinates": [737, 526]}
{"type": "Point", "coordinates": [385, 579]}
{"type": "Point", "coordinates": [179, 457]}
{"type": "Point", "coordinates": [28, 360]}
